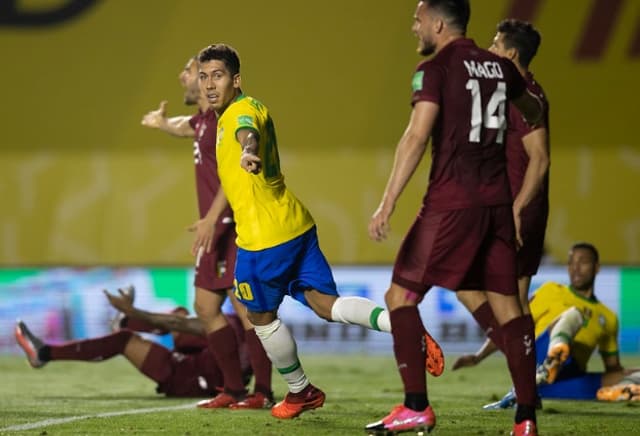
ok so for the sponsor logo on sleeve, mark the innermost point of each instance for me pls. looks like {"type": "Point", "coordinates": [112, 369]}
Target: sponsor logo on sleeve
{"type": "Point", "coordinates": [416, 83]}
{"type": "Point", "coordinates": [245, 121]}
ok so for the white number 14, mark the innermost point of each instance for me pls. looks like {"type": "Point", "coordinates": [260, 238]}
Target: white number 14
{"type": "Point", "coordinates": [490, 120]}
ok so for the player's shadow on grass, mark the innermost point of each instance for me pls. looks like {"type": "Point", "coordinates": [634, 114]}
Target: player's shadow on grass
{"type": "Point", "coordinates": [120, 398]}
{"type": "Point", "coordinates": [602, 412]}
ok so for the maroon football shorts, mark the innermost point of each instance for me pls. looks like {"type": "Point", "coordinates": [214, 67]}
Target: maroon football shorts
{"type": "Point", "coordinates": [214, 270]}
{"type": "Point", "coordinates": [470, 249]}
{"type": "Point", "coordinates": [177, 374]}
{"type": "Point", "coordinates": [533, 224]}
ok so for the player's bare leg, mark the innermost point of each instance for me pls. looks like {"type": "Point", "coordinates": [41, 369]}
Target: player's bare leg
{"type": "Point", "coordinates": [478, 305]}
{"type": "Point", "coordinates": [223, 344]}
{"type": "Point", "coordinates": [262, 396]}
{"type": "Point", "coordinates": [409, 347]}
{"type": "Point", "coordinates": [282, 350]}
{"type": "Point", "coordinates": [524, 283]}
{"type": "Point", "coordinates": [137, 350]}
{"type": "Point", "coordinates": [365, 312]}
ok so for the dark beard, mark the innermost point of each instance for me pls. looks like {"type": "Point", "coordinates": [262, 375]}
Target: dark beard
{"type": "Point", "coordinates": [428, 50]}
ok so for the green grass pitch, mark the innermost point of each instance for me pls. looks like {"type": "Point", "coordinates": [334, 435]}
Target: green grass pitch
{"type": "Point", "coordinates": [360, 389]}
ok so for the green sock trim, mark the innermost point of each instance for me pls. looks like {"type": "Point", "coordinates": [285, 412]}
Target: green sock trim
{"type": "Point", "coordinates": [563, 336]}
{"type": "Point", "coordinates": [289, 369]}
{"type": "Point", "coordinates": [373, 318]}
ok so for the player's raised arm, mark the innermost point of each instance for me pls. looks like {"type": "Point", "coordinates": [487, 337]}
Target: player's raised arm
{"type": "Point", "coordinates": [409, 152]}
{"type": "Point", "coordinates": [177, 126]}
{"type": "Point", "coordinates": [249, 160]}
{"type": "Point", "coordinates": [163, 321]}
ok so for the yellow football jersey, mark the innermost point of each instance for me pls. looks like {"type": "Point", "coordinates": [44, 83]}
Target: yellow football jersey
{"type": "Point", "coordinates": [266, 212]}
{"type": "Point", "coordinates": [600, 328]}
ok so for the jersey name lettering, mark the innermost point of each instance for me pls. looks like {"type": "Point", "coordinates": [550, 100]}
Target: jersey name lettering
{"type": "Point", "coordinates": [484, 70]}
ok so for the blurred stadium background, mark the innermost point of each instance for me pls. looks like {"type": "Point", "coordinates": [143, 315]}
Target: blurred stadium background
{"type": "Point", "coordinates": [92, 200]}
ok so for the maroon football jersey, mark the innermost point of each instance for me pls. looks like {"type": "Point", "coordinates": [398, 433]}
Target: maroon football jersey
{"type": "Point", "coordinates": [517, 159]}
{"type": "Point", "coordinates": [204, 157]}
{"type": "Point", "coordinates": [471, 87]}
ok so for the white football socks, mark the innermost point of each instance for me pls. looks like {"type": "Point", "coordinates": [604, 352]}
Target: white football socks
{"type": "Point", "coordinates": [283, 352]}
{"type": "Point", "coordinates": [567, 326]}
{"type": "Point", "coordinates": [360, 311]}
{"type": "Point", "coordinates": [633, 378]}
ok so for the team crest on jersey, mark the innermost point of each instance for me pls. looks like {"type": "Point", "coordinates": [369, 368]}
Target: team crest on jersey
{"type": "Point", "coordinates": [601, 320]}
{"type": "Point", "coordinates": [416, 83]}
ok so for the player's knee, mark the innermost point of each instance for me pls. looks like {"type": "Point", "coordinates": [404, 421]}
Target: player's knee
{"type": "Point", "coordinates": [206, 312]}
{"type": "Point", "coordinates": [397, 297]}
{"type": "Point", "coordinates": [321, 304]}
{"type": "Point", "coordinates": [261, 318]}
{"type": "Point", "coordinates": [472, 300]}
{"type": "Point", "coordinates": [264, 332]}
{"type": "Point", "coordinates": [324, 312]}
{"type": "Point", "coordinates": [574, 314]}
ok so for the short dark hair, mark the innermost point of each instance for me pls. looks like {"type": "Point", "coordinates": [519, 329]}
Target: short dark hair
{"type": "Point", "coordinates": [522, 36]}
{"type": "Point", "coordinates": [457, 11]}
{"type": "Point", "coordinates": [221, 52]}
{"type": "Point", "coordinates": [589, 247]}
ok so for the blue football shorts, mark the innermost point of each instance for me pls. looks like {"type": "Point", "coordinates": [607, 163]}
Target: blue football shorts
{"type": "Point", "coordinates": [264, 277]}
{"type": "Point", "coordinates": [572, 382]}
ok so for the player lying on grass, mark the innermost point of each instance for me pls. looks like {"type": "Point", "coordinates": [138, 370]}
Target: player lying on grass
{"type": "Point", "coordinates": [189, 370]}
{"type": "Point", "coordinates": [570, 323]}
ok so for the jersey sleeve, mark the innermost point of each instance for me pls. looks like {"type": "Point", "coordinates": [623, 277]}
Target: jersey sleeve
{"type": "Point", "coordinates": [516, 84]}
{"type": "Point", "coordinates": [244, 117]}
{"type": "Point", "coordinates": [427, 83]}
{"type": "Point", "coordinates": [517, 122]}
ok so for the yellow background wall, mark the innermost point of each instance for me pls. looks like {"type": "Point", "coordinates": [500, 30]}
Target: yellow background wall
{"type": "Point", "coordinates": [82, 182]}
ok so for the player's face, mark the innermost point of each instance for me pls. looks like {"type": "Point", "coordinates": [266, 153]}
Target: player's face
{"type": "Point", "coordinates": [189, 81]}
{"type": "Point", "coordinates": [218, 85]}
{"type": "Point", "coordinates": [582, 269]}
{"type": "Point", "coordinates": [497, 45]}
{"type": "Point", "coordinates": [423, 29]}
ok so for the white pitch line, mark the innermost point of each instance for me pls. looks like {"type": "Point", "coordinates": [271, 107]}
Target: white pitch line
{"type": "Point", "coordinates": [48, 422]}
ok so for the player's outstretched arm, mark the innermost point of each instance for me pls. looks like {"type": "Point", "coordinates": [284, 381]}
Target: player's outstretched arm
{"type": "Point", "coordinates": [467, 360]}
{"type": "Point", "coordinates": [409, 152]}
{"type": "Point", "coordinates": [162, 321]}
{"type": "Point", "coordinates": [177, 126]}
{"type": "Point", "coordinates": [249, 160]}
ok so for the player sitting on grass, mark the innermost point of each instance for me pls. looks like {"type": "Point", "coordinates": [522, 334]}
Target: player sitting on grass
{"type": "Point", "coordinates": [189, 370]}
{"type": "Point", "coordinates": [570, 323]}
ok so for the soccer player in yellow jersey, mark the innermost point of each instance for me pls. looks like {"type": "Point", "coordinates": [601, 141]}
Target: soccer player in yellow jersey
{"type": "Point", "coordinates": [278, 251]}
{"type": "Point", "coordinates": [570, 323]}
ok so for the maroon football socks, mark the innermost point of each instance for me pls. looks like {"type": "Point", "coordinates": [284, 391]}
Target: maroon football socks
{"type": "Point", "coordinates": [260, 363]}
{"type": "Point", "coordinates": [410, 352]}
{"type": "Point", "coordinates": [487, 321]}
{"type": "Point", "coordinates": [88, 349]}
{"type": "Point", "coordinates": [224, 347]}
